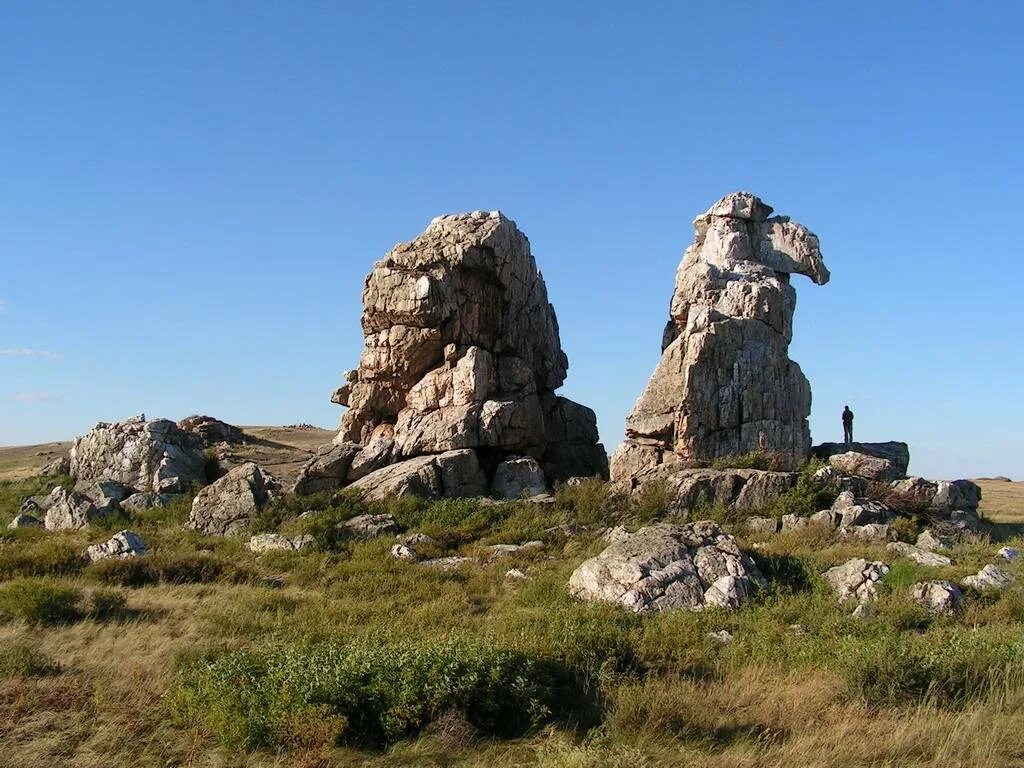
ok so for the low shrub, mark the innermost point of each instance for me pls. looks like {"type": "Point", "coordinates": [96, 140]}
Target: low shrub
{"type": "Point", "coordinates": [368, 693]}
{"type": "Point", "coordinates": [22, 659]}
{"type": "Point", "coordinates": [39, 556]}
{"type": "Point", "coordinates": [805, 498]}
{"type": "Point", "coordinates": [171, 568]}
{"type": "Point", "coordinates": [37, 602]}
{"type": "Point", "coordinates": [106, 604]}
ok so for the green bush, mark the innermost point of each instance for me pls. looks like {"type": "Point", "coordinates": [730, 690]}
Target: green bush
{"type": "Point", "coordinates": [39, 555]}
{"type": "Point", "coordinates": [368, 693]}
{"type": "Point", "coordinates": [805, 498]}
{"type": "Point", "coordinates": [171, 568]}
{"type": "Point", "coordinates": [106, 604]}
{"type": "Point", "coordinates": [25, 660]}
{"type": "Point", "coordinates": [38, 602]}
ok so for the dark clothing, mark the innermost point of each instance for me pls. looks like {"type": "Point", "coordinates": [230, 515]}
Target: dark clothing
{"type": "Point", "coordinates": [847, 426]}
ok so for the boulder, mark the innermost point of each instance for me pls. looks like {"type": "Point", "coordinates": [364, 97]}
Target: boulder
{"type": "Point", "coordinates": [211, 431]}
{"type": "Point", "coordinates": [59, 466]}
{"type": "Point", "coordinates": [227, 506]}
{"type": "Point", "coordinates": [919, 555]}
{"type": "Point", "coordinates": [989, 577]}
{"type": "Point", "coordinates": [411, 546]}
{"type": "Point", "coordinates": [664, 567]}
{"type": "Point", "coordinates": [69, 510]}
{"type": "Point", "coordinates": [896, 452]}
{"type": "Point", "coordinates": [848, 510]}
{"type": "Point", "coordinates": [744, 490]}
{"type": "Point", "coordinates": [931, 540]}
{"type": "Point", "coordinates": [856, 578]}
{"type": "Point", "coordinates": [122, 544]}
{"type": "Point", "coordinates": [144, 455]}
{"type": "Point", "coordinates": [761, 526]}
{"type": "Point", "coordinates": [369, 526]}
{"type": "Point", "coordinates": [725, 384]}
{"type": "Point", "coordinates": [863, 465]}
{"type": "Point", "coordinates": [448, 563]}
{"type": "Point", "coordinates": [138, 502]}
{"type": "Point", "coordinates": [450, 474]}
{"type": "Point", "coordinates": [23, 520]}
{"type": "Point", "coordinates": [268, 542]}
{"type": "Point", "coordinates": [954, 495]}
{"type": "Point", "coordinates": [496, 552]}
{"type": "Point", "coordinates": [106, 495]}
{"type": "Point", "coordinates": [517, 477]}
{"type": "Point", "coordinates": [327, 470]}
{"type": "Point", "coordinates": [938, 597]}
{"type": "Point", "coordinates": [462, 352]}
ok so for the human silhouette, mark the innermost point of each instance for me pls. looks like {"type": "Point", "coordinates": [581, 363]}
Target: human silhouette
{"type": "Point", "coordinates": [847, 425]}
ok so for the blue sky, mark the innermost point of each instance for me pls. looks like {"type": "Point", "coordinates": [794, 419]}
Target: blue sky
{"type": "Point", "coordinates": [192, 193]}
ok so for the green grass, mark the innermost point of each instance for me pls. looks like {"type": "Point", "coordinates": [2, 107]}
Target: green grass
{"type": "Point", "coordinates": [39, 602]}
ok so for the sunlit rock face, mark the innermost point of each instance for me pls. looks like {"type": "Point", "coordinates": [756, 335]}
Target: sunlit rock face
{"type": "Point", "coordinates": [725, 384]}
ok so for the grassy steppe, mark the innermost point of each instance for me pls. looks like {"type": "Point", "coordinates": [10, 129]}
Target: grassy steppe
{"type": "Point", "coordinates": [204, 654]}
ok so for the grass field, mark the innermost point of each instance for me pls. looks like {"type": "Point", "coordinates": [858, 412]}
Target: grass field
{"type": "Point", "coordinates": [204, 654]}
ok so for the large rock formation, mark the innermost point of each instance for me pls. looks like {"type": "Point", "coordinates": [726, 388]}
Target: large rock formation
{"type": "Point", "coordinates": [461, 352]}
{"type": "Point", "coordinates": [725, 384]}
{"type": "Point", "coordinates": [141, 455]}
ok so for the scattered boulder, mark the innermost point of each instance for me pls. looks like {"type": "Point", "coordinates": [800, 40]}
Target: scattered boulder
{"type": "Point", "coordinates": [1008, 553]}
{"type": "Point", "coordinates": [327, 470]}
{"type": "Point", "coordinates": [849, 511]}
{"type": "Point", "coordinates": [868, 532]}
{"type": "Point", "coordinates": [517, 477]}
{"type": "Point", "coordinates": [932, 540]}
{"type": "Point", "coordinates": [211, 431]}
{"type": "Point", "coordinates": [447, 563]}
{"type": "Point", "coordinates": [411, 546]}
{"type": "Point", "coordinates": [23, 520]}
{"type": "Point", "coordinates": [122, 544]}
{"type": "Point", "coordinates": [664, 567]}
{"type": "Point", "coordinates": [893, 451]}
{"type": "Point", "coordinates": [227, 506]}
{"type": "Point", "coordinates": [919, 555]}
{"type": "Point", "coordinates": [370, 526]}
{"type": "Point", "coordinates": [743, 490]}
{"type": "Point", "coordinates": [450, 474]}
{"type": "Point", "coordinates": [863, 465]}
{"type": "Point", "coordinates": [267, 542]}
{"type": "Point", "coordinates": [989, 577]}
{"type": "Point", "coordinates": [761, 526]}
{"type": "Point", "coordinates": [59, 466]}
{"type": "Point", "coordinates": [33, 505]}
{"type": "Point", "coordinates": [721, 637]}
{"type": "Point", "coordinates": [145, 455]}
{"type": "Point", "coordinates": [139, 502]}
{"type": "Point", "coordinates": [496, 552]}
{"type": "Point", "coordinates": [856, 578]}
{"type": "Point", "coordinates": [514, 574]}
{"type": "Point", "coordinates": [461, 352]}
{"type": "Point", "coordinates": [68, 510]}
{"type": "Point", "coordinates": [725, 384]}
{"type": "Point", "coordinates": [938, 597]}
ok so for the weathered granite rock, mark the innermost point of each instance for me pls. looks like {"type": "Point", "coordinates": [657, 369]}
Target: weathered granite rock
{"type": "Point", "coordinates": [411, 546]}
{"type": "Point", "coordinates": [68, 510]}
{"type": "Point", "coordinates": [856, 578]}
{"type": "Point", "coordinates": [462, 352]}
{"type": "Point", "coordinates": [23, 520]}
{"type": "Point", "coordinates": [34, 505]}
{"type": "Point", "coordinates": [896, 452]}
{"type": "Point", "coordinates": [938, 597]}
{"type": "Point", "coordinates": [665, 566]}
{"type": "Point", "coordinates": [989, 577]}
{"type": "Point", "coordinates": [59, 466]}
{"type": "Point", "coordinates": [496, 552]}
{"type": "Point", "coordinates": [919, 555]}
{"type": "Point", "coordinates": [517, 477]}
{"type": "Point", "coordinates": [268, 542]}
{"type": "Point", "coordinates": [450, 474]}
{"type": "Point", "coordinates": [761, 526]}
{"type": "Point", "coordinates": [931, 540]}
{"type": "Point", "coordinates": [106, 495]}
{"type": "Point", "coordinates": [958, 499]}
{"type": "Point", "coordinates": [227, 506]}
{"type": "Point", "coordinates": [745, 490]}
{"type": "Point", "coordinates": [725, 384]}
{"type": "Point", "coordinates": [122, 544]}
{"type": "Point", "coordinates": [863, 465]}
{"type": "Point", "coordinates": [848, 510]}
{"type": "Point", "coordinates": [144, 455]}
{"type": "Point", "coordinates": [148, 500]}
{"type": "Point", "coordinates": [327, 470]}
{"type": "Point", "coordinates": [211, 431]}
{"type": "Point", "coordinates": [370, 526]}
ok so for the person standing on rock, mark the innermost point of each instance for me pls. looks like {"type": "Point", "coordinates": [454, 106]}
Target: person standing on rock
{"type": "Point", "coordinates": [847, 425]}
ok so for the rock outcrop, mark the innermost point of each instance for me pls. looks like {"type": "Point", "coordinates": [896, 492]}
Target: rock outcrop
{"type": "Point", "coordinates": [227, 506]}
{"type": "Point", "coordinates": [68, 510]}
{"type": "Point", "coordinates": [122, 544]}
{"type": "Point", "coordinates": [462, 352]}
{"type": "Point", "coordinates": [212, 431]}
{"type": "Point", "coordinates": [744, 490]}
{"type": "Point", "coordinates": [142, 455]}
{"type": "Point", "coordinates": [666, 566]}
{"type": "Point", "coordinates": [725, 384]}
{"type": "Point", "coordinates": [896, 452]}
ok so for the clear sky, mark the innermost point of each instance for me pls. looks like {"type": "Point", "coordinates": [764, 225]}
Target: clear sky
{"type": "Point", "coordinates": [192, 193]}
